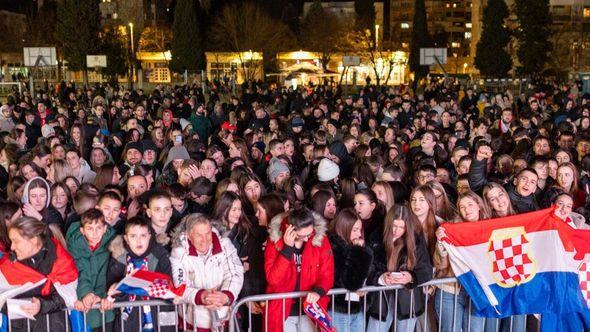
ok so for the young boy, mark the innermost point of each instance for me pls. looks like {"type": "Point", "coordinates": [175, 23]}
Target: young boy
{"type": "Point", "coordinates": [180, 204]}
{"type": "Point", "coordinates": [201, 194]}
{"type": "Point", "coordinates": [160, 211]}
{"type": "Point", "coordinates": [88, 242]}
{"type": "Point", "coordinates": [139, 252]}
{"type": "Point", "coordinates": [83, 201]}
{"type": "Point", "coordinates": [109, 204]}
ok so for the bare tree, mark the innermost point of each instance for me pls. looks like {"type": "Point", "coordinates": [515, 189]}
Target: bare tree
{"type": "Point", "coordinates": [362, 43]}
{"type": "Point", "coordinates": [243, 27]}
{"type": "Point", "coordinates": [322, 32]}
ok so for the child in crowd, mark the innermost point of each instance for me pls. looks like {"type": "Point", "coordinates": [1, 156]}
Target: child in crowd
{"type": "Point", "coordinates": [109, 204]}
{"type": "Point", "coordinates": [88, 242]}
{"type": "Point", "coordinates": [160, 211]}
{"type": "Point", "coordinates": [139, 251]}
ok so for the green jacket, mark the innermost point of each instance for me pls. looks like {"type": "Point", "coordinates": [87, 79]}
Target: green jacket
{"type": "Point", "coordinates": [201, 125]}
{"type": "Point", "coordinates": [92, 269]}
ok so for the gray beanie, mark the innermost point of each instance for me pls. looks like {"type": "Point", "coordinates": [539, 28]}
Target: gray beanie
{"type": "Point", "coordinates": [275, 168]}
{"type": "Point", "coordinates": [327, 170]}
{"type": "Point", "coordinates": [176, 152]}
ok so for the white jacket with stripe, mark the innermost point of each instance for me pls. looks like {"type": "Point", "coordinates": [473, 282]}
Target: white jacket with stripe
{"type": "Point", "coordinates": [220, 269]}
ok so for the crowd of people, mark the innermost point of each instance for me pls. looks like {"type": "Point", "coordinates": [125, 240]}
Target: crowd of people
{"type": "Point", "coordinates": [277, 191]}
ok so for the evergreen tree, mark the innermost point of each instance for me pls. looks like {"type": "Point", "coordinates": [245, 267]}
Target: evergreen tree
{"type": "Point", "coordinates": [365, 14]}
{"type": "Point", "coordinates": [533, 35]}
{"type": "Point", "coordinates": [491, 57]}
{"type": "Point", "coordinates": [420, 39]}
{"type": "Point", "coordinates": [77, 31]}
{"type": "Point", "coordinates": [114, 48]}
{"type": "Point", "coordinates": [187, 48]}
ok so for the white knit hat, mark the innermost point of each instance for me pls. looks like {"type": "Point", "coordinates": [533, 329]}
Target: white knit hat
{"type": "Point", "coordinates": [327, 170]}
{"type": "Point", "coordinates": [184, 123]}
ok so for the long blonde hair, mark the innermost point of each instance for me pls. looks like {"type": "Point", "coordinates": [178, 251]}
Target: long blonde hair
{"type": "Point", "coordinates": [493, 185]}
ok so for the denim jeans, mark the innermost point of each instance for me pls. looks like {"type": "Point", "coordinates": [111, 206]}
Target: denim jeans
{"type": "Point", "coordinates": [464, 318]}
{"type": "Point", "coordinates": [348, 323]}
{"type": "Point", "coordinates": [402, 325]}
{"type": "Point", "coordinates": [298, 324]}
{"type": "Point", "coordinates": [503, 324]}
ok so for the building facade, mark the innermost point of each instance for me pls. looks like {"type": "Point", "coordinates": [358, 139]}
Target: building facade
{"type": "Point", "coordinates": [449, 24]}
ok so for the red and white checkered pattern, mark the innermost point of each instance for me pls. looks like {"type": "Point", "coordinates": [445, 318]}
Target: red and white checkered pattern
{"type": "Point", "coordinates": [511, 263]}
{"type": "Point", "coordinates": [584, 276]}
{"type": "Point", "coordinates": [159, 289]}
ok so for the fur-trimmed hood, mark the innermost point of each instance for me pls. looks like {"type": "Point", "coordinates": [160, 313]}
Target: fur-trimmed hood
{"type": "Point", "coordinates": [278, 224]}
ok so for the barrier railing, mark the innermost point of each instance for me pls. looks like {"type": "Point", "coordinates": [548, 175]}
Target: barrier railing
{"type": "Point", "coordinates": [438, 305]}
{"type": "Point", "coordinates": [445, 307]}
{"type": "Point", "coordinates": [165, 316]}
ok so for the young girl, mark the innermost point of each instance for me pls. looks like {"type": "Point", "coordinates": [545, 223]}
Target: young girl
{"type": "Point", "coordinates": [36, 202]}
{"type": "Point", "coordinates": [248, 239]}
{"type": "Point", "coordinates": [324, 204]}
{"type": "Point", "coordinates": [400, 258]}
{"type": "Point", "coordinates": [370, 210]}
{"type": "Point", "coordinates": [251, 188]}
{"type": "Point", "coordinates": [423, 207]}
{"type": "Point", "coordinates": [453, 306]}
{"type": "Point", "coordinates": [352, 261]}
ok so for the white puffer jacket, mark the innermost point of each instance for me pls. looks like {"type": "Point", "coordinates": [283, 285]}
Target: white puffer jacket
{"type": "Point", "coordinates": [221, 269]}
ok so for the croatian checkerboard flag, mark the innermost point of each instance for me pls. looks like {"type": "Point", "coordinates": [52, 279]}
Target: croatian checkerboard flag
{"type": "Point", "coordinates": [522, 264]}
{"type": "Point", "coordinates": [148, 283]}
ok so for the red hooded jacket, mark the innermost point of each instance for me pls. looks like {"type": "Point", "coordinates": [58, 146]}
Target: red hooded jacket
{"type": "Point", "coordinates": [317, 269]}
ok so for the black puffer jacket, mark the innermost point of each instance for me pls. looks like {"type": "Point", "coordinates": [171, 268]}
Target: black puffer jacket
{"type": "Point", "coordinates": [52, 306]}
{"type": "Point", "coordinates": [351, 269]}
{"type": "Point", "coordinates": [421, 273]}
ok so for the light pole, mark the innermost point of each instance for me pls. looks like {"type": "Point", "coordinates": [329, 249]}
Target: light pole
{"type": "Point", "coordinates": [376, 37]}
{"type": "Point", "coordinates": [132, 54]}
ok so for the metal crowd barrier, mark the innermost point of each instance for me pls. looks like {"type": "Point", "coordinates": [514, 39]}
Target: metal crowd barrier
{"type": "Point", "coordinates": [450, 312]}
{"type": "Point", "coordinates": [172, 322]}
{"type": "Point", "coordinates": [430, 320]}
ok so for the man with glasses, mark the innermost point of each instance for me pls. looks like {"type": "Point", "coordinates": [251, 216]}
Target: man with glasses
{"type": "Point", "coordinates": [298, 257]}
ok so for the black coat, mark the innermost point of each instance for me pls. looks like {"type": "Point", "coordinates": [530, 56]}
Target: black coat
{"type": "Point", "coordinates": [409, 300]}
{"type": "Point", "coordinates": [53, 305]}
{"type": "Point", "coordinates": [351, 269]}
{"type": "Point", "coordinates": [250, 248]}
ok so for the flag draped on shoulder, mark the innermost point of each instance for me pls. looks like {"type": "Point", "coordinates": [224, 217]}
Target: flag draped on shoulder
{"type": "Point", "coordinates": [17, 278]}
{"type": "Point", "coordinates": [522, 264]}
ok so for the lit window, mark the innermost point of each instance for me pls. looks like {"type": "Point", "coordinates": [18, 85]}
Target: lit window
{"type": "Point", "coordinates": [468, 25]}
{"type": "Point", "coordinates": [455, 5]}
{"type": "Point", "coordinates": [405, 25]}
{"type": "Point", "coordinates": [467, 35]}
{"type": "Point", "coordinates": [115, 16]}
{"type": "Point", "coordinates": [455, 44]}
{"type": "Point", "coordinates": [448, 5]}
{"type": "Point", "coordinates": [587, 12]}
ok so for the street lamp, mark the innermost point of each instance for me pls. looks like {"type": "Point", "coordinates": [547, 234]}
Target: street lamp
{"type": "Point", "coordinates": [132, 54]}
{"type": "Point", "coordinates": [376, 37]}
